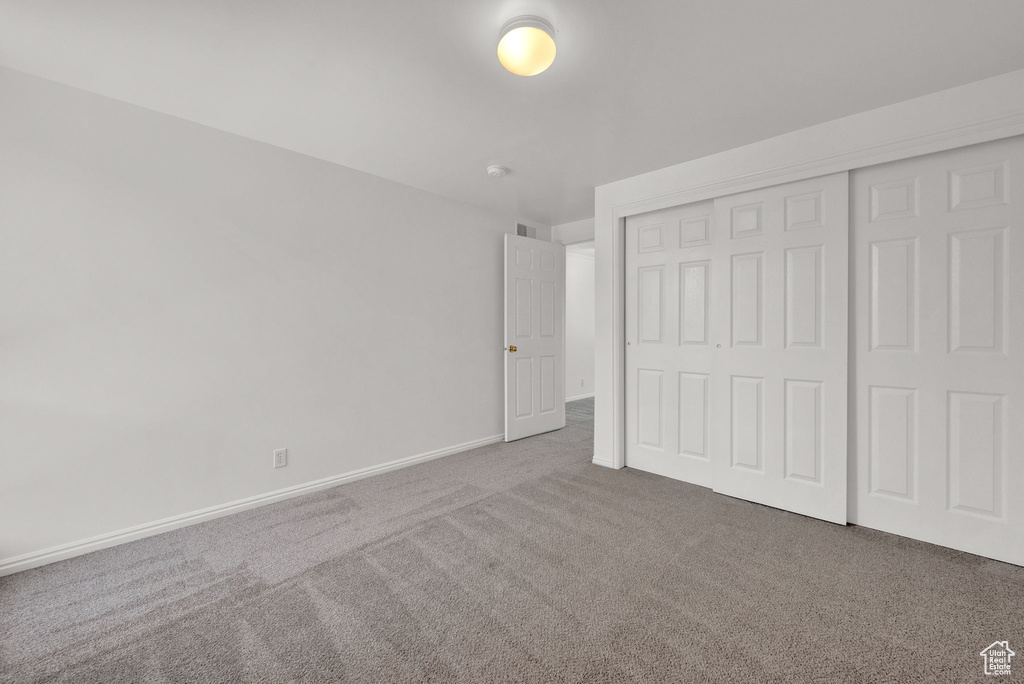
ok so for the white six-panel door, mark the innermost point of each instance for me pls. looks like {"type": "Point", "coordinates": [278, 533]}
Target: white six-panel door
{"type": "Point", "coordinates": [669, 352]}
{"type": "Point", "coordinates": [780, 376]}
{"type": "Point", "coordinates": [736, 334]}
{"type": "Point", "coordinates": [534, 337]}
{"type": "Point", "coordinates": [938, 366]}
{"type": "Point", "coordinates": [739, 353]}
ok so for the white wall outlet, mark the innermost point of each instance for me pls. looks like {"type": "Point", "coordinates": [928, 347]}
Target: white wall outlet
{"type": "Point", "coordinates": [583, 382]}
{"type": "Point", "coordinates": [280, 458]}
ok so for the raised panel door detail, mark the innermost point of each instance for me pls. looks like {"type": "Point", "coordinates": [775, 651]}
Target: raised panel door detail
{"type": "Point", "coordinates": [804, 295]}
{"type": "Point", "coordinates": [668, 293]}
{"type": "Point", "coordinates": [746, 220]}
{"type": "Point", "coordinates": [893, 295]}
{"type": "Point", "coordinates": [649, 407]}
{"type": "Point", "coordinates": [534, 287]}
{"type": "Point", "coordinates": [544, 261]}
{"type": "Point", "coordinates": [747, 407]}
{"type": "Point", "coordinates": [746, 307]}
{"type": "Point", "coordinates": [650, 310]}
{"type": "Point", "coordinates": [975, 453]}
{"type": "Point", "coordinates": [547, 309]}
{"type": "Point", "coordinates": [695, 288]}
{"type": "Point", "coordinates": [695, 231]}
{"type": "Point", "coordinates": [693, 414]}
{"type": "Point", "coordinates": [803, 430]}
{"type": "Point", "coordinates": [892, 435]}
{"type": "Point", "coordinates": [524, 308]}
{"type": "Point", "coordinates": [651, 239]}
{"type": "Point", "coordinates": [804, 211]}
{"type": "Point", "coordinates": [895, 200]}
{"type": "Point", "coordinates": [524, 388]}
{"type": "Point", "coordinates": [977, 306]}
{"type": "Point", "coordinates": [978, 186]}
{"type": "Point", "coordinates": [780, 313]}
{"type": "Point", "coordinates": [939, 425]}
{"type": "Point", "coordinates": [547, 384]}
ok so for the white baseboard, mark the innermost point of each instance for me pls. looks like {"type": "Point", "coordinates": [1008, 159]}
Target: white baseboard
{"type": "Point", "coordinates": [603, 463]}
{"type": "Point", "coordinates": [580, 396]}
{"type": "Point", "coordinates": [9, 566]}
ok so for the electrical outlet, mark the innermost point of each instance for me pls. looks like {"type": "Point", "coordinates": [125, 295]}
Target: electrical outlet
{"type": "Point", "coordinates": [583, 382]}
{"type": "Point", "coordinates": [280, 458]}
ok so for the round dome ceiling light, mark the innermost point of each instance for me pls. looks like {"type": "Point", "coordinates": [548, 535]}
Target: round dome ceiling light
{"type": "Point", "coordinates": [495, 171]}
{"type": "Point", "coordinates": [526, 45]}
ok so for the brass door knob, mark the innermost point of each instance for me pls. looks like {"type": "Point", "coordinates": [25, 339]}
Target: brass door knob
{"type": "Point", "coordinates": [513, 348]}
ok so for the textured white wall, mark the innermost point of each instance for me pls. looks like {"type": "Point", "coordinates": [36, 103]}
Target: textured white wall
{"type": "Point", "coordinates": [177, 302]}
{"type": "Point", "coordinates": [577, 231]}
{"type": "Point", "coordinates": [579, 325]}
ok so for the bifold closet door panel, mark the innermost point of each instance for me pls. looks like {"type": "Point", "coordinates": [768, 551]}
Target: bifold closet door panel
{"type": "Point", "coordinates": [669, 351]}
{"type": "Point", "coordinates": [938, 365]}
{"type": "Point", "coordinates": [780, 262]}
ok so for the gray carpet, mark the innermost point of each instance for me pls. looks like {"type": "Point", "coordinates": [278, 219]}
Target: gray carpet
{"type": "Point", "coordinates": [515, 562]}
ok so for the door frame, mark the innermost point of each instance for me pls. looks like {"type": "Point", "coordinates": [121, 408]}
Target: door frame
{"type": "Point", "coordinates": [966, 115]}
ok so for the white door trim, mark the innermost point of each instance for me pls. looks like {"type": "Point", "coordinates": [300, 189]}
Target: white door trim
{"type": "Point", "coordinates": [977, 112]}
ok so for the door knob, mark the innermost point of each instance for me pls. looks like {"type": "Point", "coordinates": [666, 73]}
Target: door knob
{"type": "Point", "coordinates": [513, 348]}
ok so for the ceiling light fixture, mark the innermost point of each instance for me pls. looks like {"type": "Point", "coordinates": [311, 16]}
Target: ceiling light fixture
{"type": "Point", "coordinates": [526, 45]}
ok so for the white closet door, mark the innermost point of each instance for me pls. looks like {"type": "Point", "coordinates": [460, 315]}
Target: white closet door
{"type": "Point", "coordinates": [669, 353]}
{"type": "Point", "coordinates": [780, 258]}
{"type": "Point", "coordinates": [939, 364]}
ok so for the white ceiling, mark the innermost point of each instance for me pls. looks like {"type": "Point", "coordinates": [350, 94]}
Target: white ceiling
{"type": "Point", "coordinates": [411, 90]}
